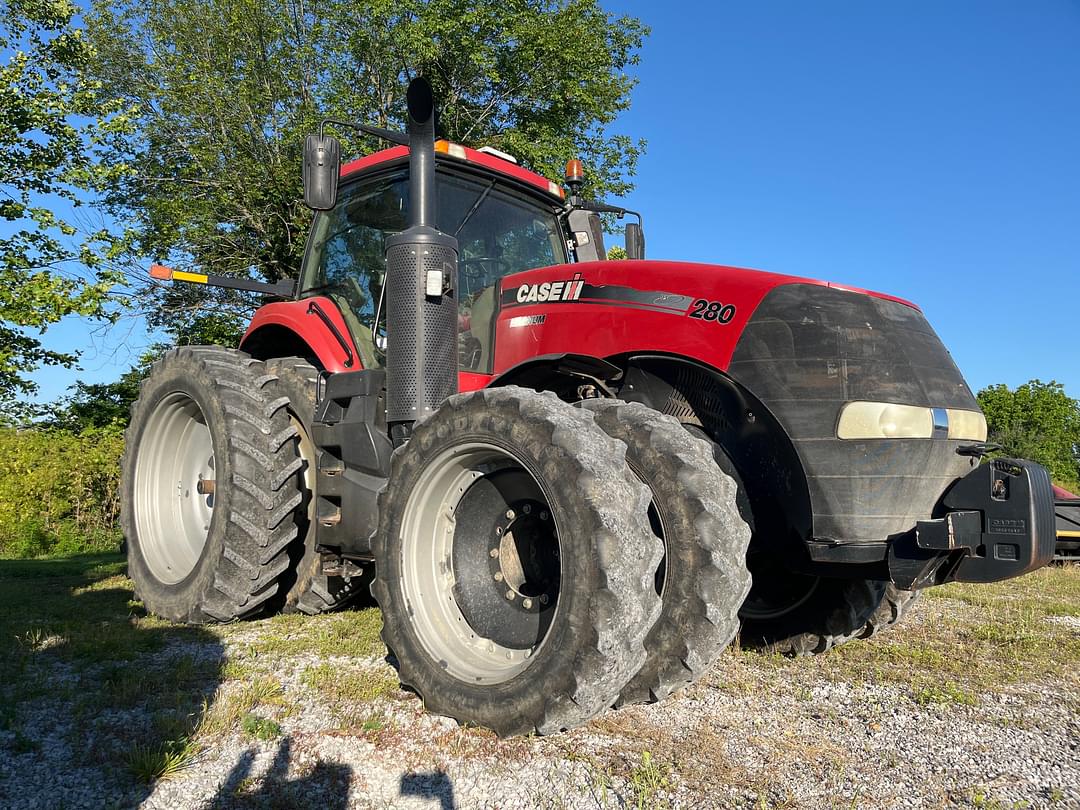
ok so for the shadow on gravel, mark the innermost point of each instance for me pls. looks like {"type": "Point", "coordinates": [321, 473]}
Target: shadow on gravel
{"type": "Point", "coordinates": [431, 785]}
{"type": "Point", "coordinates": [97, 699]}
{"type": "Point", "coordinates": [325, 787]}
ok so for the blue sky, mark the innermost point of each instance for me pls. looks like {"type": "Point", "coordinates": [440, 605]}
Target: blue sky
{"type": "Point", "coordinates": [926, 149]}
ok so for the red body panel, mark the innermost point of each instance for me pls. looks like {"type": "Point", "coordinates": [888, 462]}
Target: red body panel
{"type": "Point", "coordinates": [603, 327]}
{"type": "Point", "coordinates": [294, 316]}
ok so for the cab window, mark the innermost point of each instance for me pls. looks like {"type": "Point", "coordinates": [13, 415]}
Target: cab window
{"type": "Point", "coordinates": [498, 233]}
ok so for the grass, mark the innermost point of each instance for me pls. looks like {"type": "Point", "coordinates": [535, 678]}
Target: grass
{"type": "Point", "coordinates": [353, 634]}
{"type": "Point", "coordinates": [79, 655]}
{"type": "Point", "coordinates": [975, 640]}
{"type": "Point", "coordinates": [150, 763]}
{"type": "Point", "coordinates": [338, 686]}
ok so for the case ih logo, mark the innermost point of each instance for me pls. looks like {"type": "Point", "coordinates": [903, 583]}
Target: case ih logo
{"type": "Point", "coordinates": [569, 290]}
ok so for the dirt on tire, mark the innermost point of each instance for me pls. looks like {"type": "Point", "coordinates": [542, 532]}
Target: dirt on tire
{"type": "Point", "coordinates": [608, 557]}
{"type": "Point", "coordinates": [705, 578]}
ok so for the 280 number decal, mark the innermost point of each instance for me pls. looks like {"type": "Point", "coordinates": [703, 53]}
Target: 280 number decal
{"type": "Point", "coordinates": [715, 311]}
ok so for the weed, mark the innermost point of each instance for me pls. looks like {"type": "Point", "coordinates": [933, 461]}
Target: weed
{"type": "Point", "coordinates": [647, 779]}
{"type": "Point", "coordinates": [261, 728]}
{"type": "Point", "coordinates": [944, 693]}
{"type": "Point", "coordinates": [149, 763]}
{"type": "Point", "coordinates": [24, 745]}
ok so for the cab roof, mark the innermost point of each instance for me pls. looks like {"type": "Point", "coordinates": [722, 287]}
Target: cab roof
{"type": "Point", "coordinates": [445, 149]}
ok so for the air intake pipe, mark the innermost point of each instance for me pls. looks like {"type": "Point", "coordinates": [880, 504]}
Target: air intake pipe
{"type": "Point", "coordinates": [421, 281]}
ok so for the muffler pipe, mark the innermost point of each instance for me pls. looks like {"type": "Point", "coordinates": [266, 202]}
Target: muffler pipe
{"type": "Point", "coordinates": [421, 287]}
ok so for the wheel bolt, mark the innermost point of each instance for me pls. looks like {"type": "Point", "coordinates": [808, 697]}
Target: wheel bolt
{"type": "Point", "coordinates": [543, 599]}
{"type": "Point", "coordinates": [544, 515]}
{"type": "Point", "coordinates": [527, 508]}
{"type": "Point", "coordinates": [498, 576]}
{"type": "Point", "coordinates": [494, 553]}
{"type": "Point", "coordinates": [527, 604]}
{"type": "Point", "coordinates": [510, 595]}
{"type": "Point", "coordinates": [498, 530]}
{"type": "Point", "coordinates": [510, 515]}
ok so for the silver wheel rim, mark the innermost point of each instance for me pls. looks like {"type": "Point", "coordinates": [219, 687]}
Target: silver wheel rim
{"type": "Point", "coordinates": [172, 517]}
{"type": "Point", "coordinates": [428, 578]}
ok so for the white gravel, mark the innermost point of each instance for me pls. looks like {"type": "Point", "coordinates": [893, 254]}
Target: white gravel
{"type": "Point", "coordinates": [754, 734]}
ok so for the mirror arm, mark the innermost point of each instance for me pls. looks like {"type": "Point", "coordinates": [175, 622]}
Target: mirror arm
{"type": "Point", "coordinates": [604, 208]}
{"type": "Point", "coordinates": [399, 138]}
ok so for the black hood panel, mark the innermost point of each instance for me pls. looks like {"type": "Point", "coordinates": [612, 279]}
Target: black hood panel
{"type": "Point", "coordinates": [809, 349]}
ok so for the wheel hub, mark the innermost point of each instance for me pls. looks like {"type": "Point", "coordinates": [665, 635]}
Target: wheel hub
{"type": "Point", "coordinates": [505, 559]}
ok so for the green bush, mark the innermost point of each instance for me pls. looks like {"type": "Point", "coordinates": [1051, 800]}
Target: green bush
{"type": "Point", "coordinates": [59, 491]}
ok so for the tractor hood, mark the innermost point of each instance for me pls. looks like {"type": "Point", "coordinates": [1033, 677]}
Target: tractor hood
{"type": "Point", "coordinates": [805, 349]}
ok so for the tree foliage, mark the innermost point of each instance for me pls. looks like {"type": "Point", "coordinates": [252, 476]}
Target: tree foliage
{"type": "Point", "coordinates": [59, 491]}
{"type": "Point", "coordinates": [1038, 421]}
{"type": "Point", "coordinates": [52, 120]}
{"type": "Point", "coordinates": [225, 90]}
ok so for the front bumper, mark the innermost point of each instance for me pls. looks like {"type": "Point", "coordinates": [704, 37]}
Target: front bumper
{"type": "Point", "coordinates": [996, 522]}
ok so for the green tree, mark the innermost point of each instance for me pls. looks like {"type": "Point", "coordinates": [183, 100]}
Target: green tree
{"type": "Point", "coordinates": [225, 91]}
{"type": "Point", "coordinates": [1038, 421]}
{"type": "Point", "coordinates": [52, 121]}
{"type": "Point", "coordinates": [97, 405]}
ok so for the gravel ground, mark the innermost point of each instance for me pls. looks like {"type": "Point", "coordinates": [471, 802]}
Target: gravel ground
{"type": "Point", "coordinates": [758, 732]}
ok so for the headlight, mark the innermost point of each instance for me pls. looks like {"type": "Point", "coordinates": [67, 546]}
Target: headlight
{"type": "Point", "coordinates": [891, 420]}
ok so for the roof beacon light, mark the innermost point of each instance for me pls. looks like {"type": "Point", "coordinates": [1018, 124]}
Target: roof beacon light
{"type": "Point", "coordinates": [575, 178]}
{"type": "Point", "coordinates": [575, 172]}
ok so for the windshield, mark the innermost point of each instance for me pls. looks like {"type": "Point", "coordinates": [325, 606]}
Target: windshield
{"type": "Point", "coordinates": [499, 232]}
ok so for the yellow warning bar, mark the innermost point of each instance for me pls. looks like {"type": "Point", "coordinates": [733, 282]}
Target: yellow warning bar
{"type": "Point", "coordinates": [1068, 534]}
{"type": "Point", "coordinates": [181, 275]}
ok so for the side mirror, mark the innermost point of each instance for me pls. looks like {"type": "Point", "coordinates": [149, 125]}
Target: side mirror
{"type": "Point", "coordinates": [588, 235]}
{"type": "Point", "coordinates": [634, 238]}
{"type": "Point", "coordinates": [322, 165]}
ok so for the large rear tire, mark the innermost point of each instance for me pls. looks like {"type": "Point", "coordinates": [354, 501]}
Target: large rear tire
{"type": "Point", "coordinates": [703, 579]}
{"type": "Point", "coordinates": [307, 589]}
{"type": "Point", "coordinates": [209, 486]}
{"type": "Point", "coordinates": [515, 563]}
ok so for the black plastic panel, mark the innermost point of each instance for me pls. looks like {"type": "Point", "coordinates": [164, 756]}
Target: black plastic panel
{"type": "Point", "coordinates": [809, 349]}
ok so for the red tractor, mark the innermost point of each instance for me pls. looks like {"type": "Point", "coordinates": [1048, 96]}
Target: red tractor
{"type": "Point", "coordinates": [558, 472]}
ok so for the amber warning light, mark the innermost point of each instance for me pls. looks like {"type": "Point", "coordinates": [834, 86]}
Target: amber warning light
{"type": "Point", "coordinates": [575, 173]}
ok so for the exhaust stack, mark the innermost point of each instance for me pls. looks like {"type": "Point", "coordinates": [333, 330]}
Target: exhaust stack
{"type": "Point", "coordinates": [421, 281]}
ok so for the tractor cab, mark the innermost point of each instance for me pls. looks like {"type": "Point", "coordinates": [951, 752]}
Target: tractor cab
{"type": "Point", "coordinates": [503, 225]}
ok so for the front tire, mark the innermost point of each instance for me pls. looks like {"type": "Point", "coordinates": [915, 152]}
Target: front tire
{"type": "Point", "coordinates": [799, 614]}
{"type": "Point", "coordinates": [515, 563]}
{"type": "Point", "coordinates": [208, 485]}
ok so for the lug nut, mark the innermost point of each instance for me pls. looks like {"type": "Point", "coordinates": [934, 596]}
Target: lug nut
{"type": "Point", "coordinates": [510, 515]}
{"type": "Point", "coordinates": [494, 553]}
{"type": "Point", "coordinates": [527, 508]}
{"type": "Point", "coordinates": [527, 604]}
{"type": "Point", "coordinates": [510, 595]}
{"type": "Point", "coordinates": [498, 530]}
{"type": "Point", "coordinates": [543, 599]}
{"type": "Point", "coordinates": [498, 576]}
{"type": "Point", "coordinates": [544, 515]}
